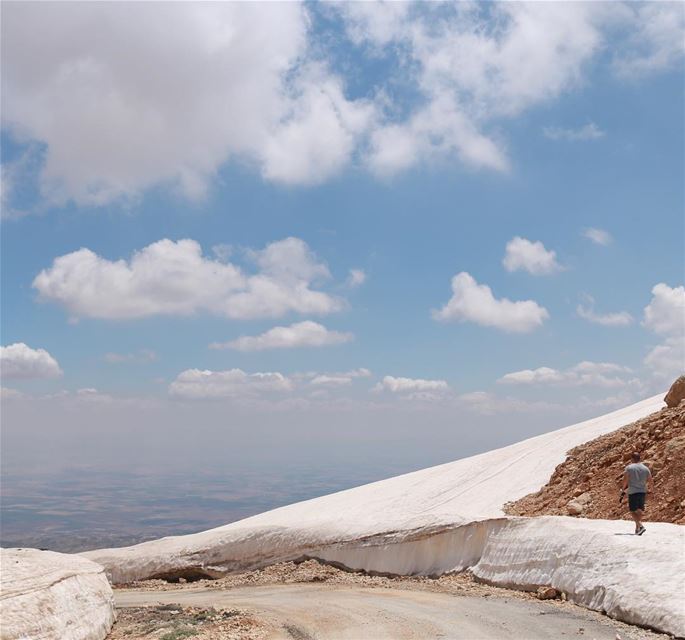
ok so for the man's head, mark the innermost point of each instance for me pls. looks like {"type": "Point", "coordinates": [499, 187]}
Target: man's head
{"type": "Point", "coordinates": [635, 456]}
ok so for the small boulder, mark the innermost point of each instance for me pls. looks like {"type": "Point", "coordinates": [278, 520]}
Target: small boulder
{"type": "Point", "coordinates": [584, 498]}
{"type": "Point", "coordinates": [574, 508]}
{"type": "Point", "coordinates": [547, 593]}
{"type": "Point", "coordinates": [676, 394]}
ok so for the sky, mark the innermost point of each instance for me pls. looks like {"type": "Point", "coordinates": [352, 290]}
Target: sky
{"type": "Point", "coordinates": [396, 232]}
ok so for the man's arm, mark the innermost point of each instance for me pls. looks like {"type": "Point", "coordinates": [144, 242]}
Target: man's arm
{"type": "Point", "coordinates": [625, 481]}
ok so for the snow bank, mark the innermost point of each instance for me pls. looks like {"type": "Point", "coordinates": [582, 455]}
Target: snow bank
{"type": "Point", "coordinates": [443, 518]}
{"type": "Point", "coordinates": [46, 595]}
{"type": "Point", "coordinates": [597, 563]}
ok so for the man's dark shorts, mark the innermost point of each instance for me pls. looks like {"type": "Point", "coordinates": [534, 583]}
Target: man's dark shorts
{"type": "Point", "coordinates": [636, 501]}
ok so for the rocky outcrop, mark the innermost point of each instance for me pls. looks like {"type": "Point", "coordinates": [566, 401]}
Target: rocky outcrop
{"type": "Point", "coordinates": [47, 596]}
{"type": "Point", "coordinates": [676, 394]}
{"type": "Point", "coordinates": [587, 484]}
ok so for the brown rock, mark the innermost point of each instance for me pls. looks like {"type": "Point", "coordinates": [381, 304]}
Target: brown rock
{"type": "Point", "coordinates": [547, 593]}
{"type": "Point", "coordinates": [676, 394]}
{"type": "Point", "coordinates": [584, 498]}
{"type": "Point", "coordinates": [574, 508]}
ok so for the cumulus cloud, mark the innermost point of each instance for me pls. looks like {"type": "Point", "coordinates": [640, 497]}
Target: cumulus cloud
{"type": "Point", "coordinates": [469, 74]}
{"type": "Point", "coordinates": [21, 361]}
{"type": "Point", "coordinates": [523, 255]}
{"type": "Point", "coordinates": [410, 385]}
{"type": "Point", "coordinates": [356, 278]}
{"type": "Point", "coordinates": [338, 379]}
{"type": "Point", "coordinates": [655, 38]}
{"type": "Point", "coordinates": [175, 278]}
{"type": "Point", "coordinates": [300, 334]}
{"type": "Point", "coordinates": [140, 357]}
{"type": "Point", "coordinates": [114, 124]}
{"type": "Point", "coordinates": [667, 360]}
{"type": "Point", "coordinates": [318, 137]}
{"type": "Point", "coordinates": [665, 315]}
{"type": "Point", "coordinates": [616, 319]}
{"type": "Point", "coordinates": [589, 131]}
{"type": "Point", "coordinates": [253, 82]}
{"type": "Point", "coordinates": [596, 374]}
{"type": "Point", "coordinates": [598, 236]}
{"type": "Point", "coordinates": [473, 302]}
{"type": "Point", "coordinates": [196, 384]}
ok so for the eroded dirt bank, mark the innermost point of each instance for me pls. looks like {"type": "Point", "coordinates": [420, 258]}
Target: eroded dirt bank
{"type": "Point", "coordinates": [587, 483]}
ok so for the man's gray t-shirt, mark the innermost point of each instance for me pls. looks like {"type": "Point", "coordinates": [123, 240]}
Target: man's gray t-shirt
{"type": "Point", "coordinates": [637, 478]}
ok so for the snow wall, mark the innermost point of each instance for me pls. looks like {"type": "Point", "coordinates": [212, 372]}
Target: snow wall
{"type": "Point", "coordinates": [46, 595]}
{"type": "Point", "coordinates": [447, 518]}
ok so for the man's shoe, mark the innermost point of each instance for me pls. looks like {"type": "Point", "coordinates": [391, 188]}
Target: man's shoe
{"type": "Point", "coordinates": [641, 530]}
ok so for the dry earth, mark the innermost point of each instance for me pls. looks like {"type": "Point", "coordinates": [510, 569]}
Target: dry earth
{"type": "Point", "coordinates": [310, 600]}
{"type": "Point", "coordinates": [587, 484]}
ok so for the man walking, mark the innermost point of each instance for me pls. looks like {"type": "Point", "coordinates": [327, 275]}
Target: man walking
{"type": "Point", "coordinates": [637, 479]}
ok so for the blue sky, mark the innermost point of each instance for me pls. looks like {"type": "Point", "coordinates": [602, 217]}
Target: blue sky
{"type": "Point", "coordinates": [407, 142]}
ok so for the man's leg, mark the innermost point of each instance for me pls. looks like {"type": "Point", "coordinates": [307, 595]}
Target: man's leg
{"type": "Point", "coordinates": [637, 516]}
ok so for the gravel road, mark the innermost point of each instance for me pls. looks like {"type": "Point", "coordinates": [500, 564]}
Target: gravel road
{"type": "Point", "coordinates": [340, 612]}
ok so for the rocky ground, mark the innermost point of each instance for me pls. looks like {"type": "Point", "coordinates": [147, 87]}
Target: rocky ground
{"type": "Point", "coordinates": [175, 621]}
{"type": "Point", "coordinates": [315, 571]}
{"type": "Point", "coordinates": [587, 484]}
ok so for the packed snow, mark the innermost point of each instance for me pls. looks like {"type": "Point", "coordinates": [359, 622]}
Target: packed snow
{"type": "Point", "coordinates": [447, 518]}
{"type": "Point", "coordinates": [46, 595]}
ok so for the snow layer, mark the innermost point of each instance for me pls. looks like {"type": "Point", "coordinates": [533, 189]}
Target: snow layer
{"type": "Point", "coordinates": [598, 563]}
{"type": "Point", "coordinates": [46, 595]}
{"type": "Point", "coordinates": [446, 518]}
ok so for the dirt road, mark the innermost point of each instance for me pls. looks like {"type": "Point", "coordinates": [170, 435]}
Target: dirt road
{"type": "Point", "coordinates": [339, 612]}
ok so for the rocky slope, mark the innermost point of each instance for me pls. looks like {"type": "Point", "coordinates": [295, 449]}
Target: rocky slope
{"type": "Point", "coordinates": [587, 483]}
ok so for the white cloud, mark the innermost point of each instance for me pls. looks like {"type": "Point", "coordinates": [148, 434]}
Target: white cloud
{"type": "Point", "coordinates": [174, 278]}
{"type": "Point", "coordinates": [356, 278]}
{"type": "Point", "coordinates": [333, 381]}
{"type": "Point", "coordinates": [471, 74]}
{"type": "Point", "coordinates": [589, 131]}
{"type": "Point", "coordinates": [439, 130]}
{"type": "Point", "coordinates": [667, 360]}
{"type": "Point", "coordinates": [655, 38]}
{"type": "Point", "coordinates": [21, 361]}
{"type": "Point", "coordinates": [473, 302]}
{"type": "Point", "coordinates": [410, 385]}
{"type": "Point", "coordinates": [532, 376]}
{"type": "Point", "coordinates": [616, 319]}
{"type": "Point", "coordinates": [339, 379]}
{"type": "Point", "coordinates": [598, 236]}
{"type": "Point", "coordinates": [300, 334]}
{"type": "Point", "coordinates": [252, 82]}
{"type": "Point", "coordinates": [10, 394]}
{"type": "Point", "coordinates": [115, 123]}
{"type": "Point", "coordinates": [665, 315]}
{"type": "Point", "coordinates": [196, 384]}
{"type": "Point", "coordinates": [319, 135]}
{"type": "Point", "coordinates": [596, 374]}
{"type": "Point", "coordinates": [240, 81]}
{"type": "Point", "coordinates": [522, 254]}
{"type": "Point", "coordinates": [143, 356]}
